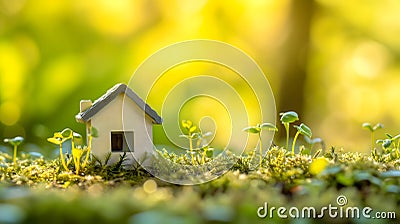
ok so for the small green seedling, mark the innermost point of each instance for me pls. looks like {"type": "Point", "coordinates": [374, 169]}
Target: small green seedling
{"type": "Point", "coordinates": [15, 142]}
{"type": "Point", "coordinates": [369, 127]}
{"type": "Point", "coordinates": [257, 130]}
{"type": "Point", "coordinates": [386, 143]}
{"type": "Point", "coordinates": [302, 129]}
{"type": "Point", "coordinates": [191, 135]}
{"type": "Point", "coordinates": [77, 150]}
{"type": "Point", "coordinates": [286, 119]}
{"type": "Point", "coordinates": [313, 141]}
{"type": "Point", "coordinates": [194, 133]}
{"type": "Point", "coordinates": [207, 151]}
{"type": "Point", "coordinates": [76, 144]}
{"type": "Point", "coordinates": [92, 134]}
{"type": "Point", "coordinates": [59, 138]}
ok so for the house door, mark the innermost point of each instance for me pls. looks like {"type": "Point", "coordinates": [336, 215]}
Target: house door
{"type": "Point", "coordinates": [122, 141]}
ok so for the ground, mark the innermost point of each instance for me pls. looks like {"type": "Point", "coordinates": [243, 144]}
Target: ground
{"type": "Point", "coordinates": [38, 190]}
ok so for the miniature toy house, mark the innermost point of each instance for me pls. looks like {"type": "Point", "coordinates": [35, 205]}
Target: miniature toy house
{"type": "Point", "coordinates": [118, 133]}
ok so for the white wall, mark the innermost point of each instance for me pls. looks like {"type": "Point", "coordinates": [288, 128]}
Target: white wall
{"type": "Point", "coordinates": [110, 119]}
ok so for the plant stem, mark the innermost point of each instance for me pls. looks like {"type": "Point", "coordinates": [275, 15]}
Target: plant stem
{"type": "Point", "coordinates": [77, 164]}
{"type": "Point", "coordinates": [294, 141]}
{"type": "Point", "coordinates": [197, 159]}
{"type": "Point", "coordinates": [88, 151]}
{"type": "Point", "coordinates": [76, 157]}
{"type": "Point", "coordinates": [287, 134]}
{"type": "Point", "coordinates": [259, 136]}
{"type": "Point", "coordinates": [372, 141]}
{"type": "Point", "coordinates": [62, 159]}
{"type": "Point", "coordinates": [15, 155]}
{"type": "Point", "coordinates": [203, 160]}
{"type": "Point", "coordinates": [191, 149]}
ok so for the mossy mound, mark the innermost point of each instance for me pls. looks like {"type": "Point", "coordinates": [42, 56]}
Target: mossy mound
{"type": "Point", "coordinates": [38, 190]}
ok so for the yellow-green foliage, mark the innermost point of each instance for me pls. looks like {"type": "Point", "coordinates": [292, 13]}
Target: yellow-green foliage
{"type": "Point", "coordinates": [76, 147]}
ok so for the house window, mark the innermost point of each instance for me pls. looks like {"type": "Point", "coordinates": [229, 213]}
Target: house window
{"type": "Point", "coordinates": [121, 141]}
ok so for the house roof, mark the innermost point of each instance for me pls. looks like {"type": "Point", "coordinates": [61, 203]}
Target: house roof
{"type": "Point", "coordinates": [109, 96]}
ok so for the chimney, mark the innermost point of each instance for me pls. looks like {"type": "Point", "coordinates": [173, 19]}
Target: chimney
{"type": "Point", "coordinates": [85, 104]}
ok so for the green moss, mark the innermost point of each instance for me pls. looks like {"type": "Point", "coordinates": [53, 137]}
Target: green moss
{"type": "Point", "coordinates": [37, 189]}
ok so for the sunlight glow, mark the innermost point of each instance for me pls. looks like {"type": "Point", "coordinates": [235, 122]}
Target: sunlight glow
{"type": "Point", "coordinates": [369, 59]}
{"type": "Point", "coordinates": [9, 113]}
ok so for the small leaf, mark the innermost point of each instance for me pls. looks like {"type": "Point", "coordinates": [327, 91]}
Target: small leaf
{"type": "Point", "coordinates": [378, 126]}
{"type": "Point", "coordinates": [76, 135]}
{"type": "Point", "coordinates": [207, 134]}
{"type": "Point", "coordinates": [289, 117]}
{"type": "Point", "coordinates": [14, 141]}
{"type": "Point", "coordinates": [317, 140]}
{"type": "Point", "coordinates": [184, 124]}
{"type": "Point", "coordinates": [184, 136]}
{"type": "Point", "coordinates": [396, 137]}
{"type": "Point", "coordinates": [252, 129]}
{"type": "Point", "coordinates": [56, 141]}
{"type": "Point", "coordinates": [386, 143]}
{"type": "Point", "coordinates": [192, 129]}
{"type": "Point", "coordinates": [368, 126]}
{"type": "Point", "coordinates": [308, 140]}
{"type": "Point", "coordinates": [270, 126]}
{"type": "Point", "coordinates": [197, 134]}
{"type": "Point", "coordinates": [187, 124]}
{"type": "Point", "coordinates": [210, 152]}
{"type": "Point", "coordinates": [94, 132]}
{"type": "Point", "coordinates": [77, 138]}
{"type": "Point", "coordinates": [304, 130]}
{"type": "Point", "coordinates": [58, 135]}
{"type": "Point", "coordinates": [312, 140]}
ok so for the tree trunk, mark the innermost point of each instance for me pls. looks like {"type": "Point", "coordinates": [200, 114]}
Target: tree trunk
{"type": "Point", "coordinates": [294, 56]}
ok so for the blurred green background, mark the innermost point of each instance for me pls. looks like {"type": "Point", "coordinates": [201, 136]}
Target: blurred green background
{"type": "Point", "coordinates": [337, 63]}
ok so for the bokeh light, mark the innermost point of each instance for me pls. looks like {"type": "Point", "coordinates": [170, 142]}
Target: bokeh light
{"type": "Point", "coordinates": [52, 55]}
